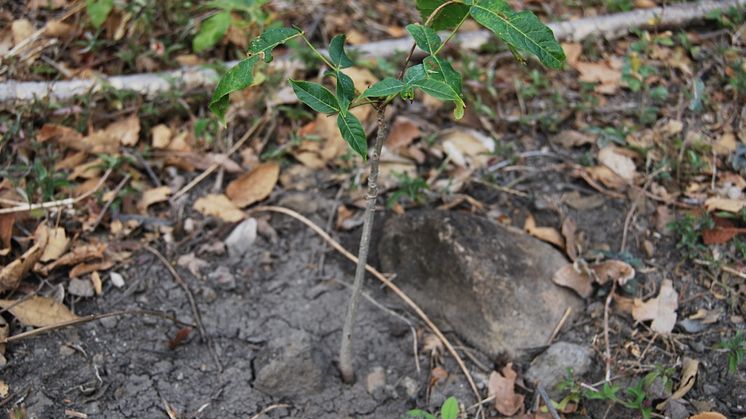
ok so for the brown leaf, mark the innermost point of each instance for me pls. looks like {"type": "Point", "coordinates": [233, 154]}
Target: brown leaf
{"type": "Point", "coordinates": [569, 276]}
{"type": "Point", "coordinates": [403, 132]}
{"type": "Point", "coordinates": [4, 332]}
{"type": "Point", "coordinates": [21, 29]}
{"type": "Point", "coordinates": [502, 387]}
{"type": "Point", "coordinates": [38, 311]}
{"type": "Point", "coordinates": [218, 205]}
{"type": "Point", "coordinates": [614, 270]}
{"type": "Point", "coordinates": [604, 73]}
{"type": "Point", "coordinates": [55, 242]}
{"type": "Point", "coordinates": [12, 273]}
{"type": "Point", "coordinates": [569, 231]}
{"type": "Point", "coordinates": [84, 268]}
{"type": "Point", "coordinates": [125, 131]}
{"type": "Point", "coordinates": [255, 185]}
{"type": "Point", "coordinates": [161, 135]}
{"type": "Point", "coordinates": [573, 51]}
{"type": "Point", "coordinates": [58, 29]}
{"type": "Point", "coordinates": [547, 234]}
{"type": "Point", "coordinates": [6, 232]}
{"type": "Point", "coordinates": [661, 309]}
{"type": "Point", "coordinates": [65, 136]}
{"type": "Point", "coordinates": [571, 138]}
{"type": "Point", "coordinates": [580, 277]}
{"type": "Point", "coordinates": [178, 339]}
{"type": "Point", "coordinates": [708, 415]}
{"type": "Point", "coordinates": [720, 235]}
{"type": "Point", "coordinates": [153, 196]}
{"type": "Point", "coordinates": [689, 371]}
{"type": "Point", "coordinates": [725, 204]}
{"type": "Point", "coordinates": [79, 254]}
{"type": "Point", "coordinates": [618, 163]}
{"type": "Point", "coordinates": [467, 147]}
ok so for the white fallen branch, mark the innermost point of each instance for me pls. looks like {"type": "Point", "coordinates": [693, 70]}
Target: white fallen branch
{"type": "Point", "coordinates": [149, 84]}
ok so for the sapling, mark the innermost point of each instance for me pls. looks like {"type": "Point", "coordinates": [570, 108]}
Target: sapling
{"type": "Point", "coordinates": [521, 31]}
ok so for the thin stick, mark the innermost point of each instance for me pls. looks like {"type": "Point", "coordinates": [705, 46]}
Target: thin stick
{"type": "Point", "coordinates": [396, 290]}
{"type": "Point", "coordinates": [346, 367]}
{"type": "Point", "coordinates": [547, 401]}
{"type": "Point", "coordinates": [627, 222]}
{"type": "Point", "coordinates": [214, 166]}
{"type": "Point", "coordinates": [561, 323]}
{"type": "Point", "coordinates": [90, 318]}
{"type": "Point", "coordinates": [607, 354]}
{"type": "Point", "coordinates": [195, 310]}
{"type": "Point", "coordinates": [114, 194]}
{"type": "Point", "coordinates": [60, 203]}
{"type": "Point", "coordinates": [269, 409]}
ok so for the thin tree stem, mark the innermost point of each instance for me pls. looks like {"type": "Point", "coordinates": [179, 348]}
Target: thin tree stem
{"type": "Point", "coordinates": [346, 367]}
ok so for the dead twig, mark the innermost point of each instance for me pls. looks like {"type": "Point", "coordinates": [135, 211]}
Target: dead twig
{"type": "Point", "coordinates": [114, 194]}
{"type": "Point", "coordinates": [269, 409]}
{"type": "Point", "coordinates": [192, 303]}
{"type": "Point", "coordinates": [562, 321]}
{"type": "Point", "coordinates": [396, 290]}
{"type": "Point", "coordinates": [547, 401]}
{"type": "Point", "coordinates": [607, 353]}
{"type": "Point", "coordinates": [90, 318]}
{"type": "Point", "coordinates": [59, 203]}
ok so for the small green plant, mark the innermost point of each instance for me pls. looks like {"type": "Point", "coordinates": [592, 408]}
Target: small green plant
{"type": "Point", "coordinates": [636, 399]}
{"type": "Point", "coordinates": [736, 351]}
{"type": "Point", "coordinates": [449, 410]}
{"type": "Point", "coordinates": [689, 231]}
{"type": "Point", "coordinates": [436, 76]}
{"type": "Point", "coordinates": [45, 182]}
{"type": "Point", "coordinates": [410, 188]}
{"type": "Point", "coordinates": [214, 28]}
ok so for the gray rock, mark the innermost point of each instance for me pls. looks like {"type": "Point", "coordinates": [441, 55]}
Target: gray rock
{"type": "Point", "coordinates": [80, 287]}
{"type": "Point", "coordinates": [490, 283]}
{"type": "Point", "coordinates": [675, 409]}
{"type": "Point", "coordinates": [291, 366]}
{"type": "Point", "coordinates": [550, 368]}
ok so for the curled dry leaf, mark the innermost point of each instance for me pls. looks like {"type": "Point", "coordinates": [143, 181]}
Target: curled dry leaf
{"type": "Point", "coordinates": [21, 29]}
{"type": "Point", "coordinates": [153, 196]}
{"type": "Point", "coordinates": [689, 371]}
{"type": "Point", "coordinates": [502, 387]}
{"type": "Point", "coordinates": [54, 240]}
{"type": "Point", "coordinates": [467, 147]}
{"type": "Point", "coordinates": [606, 74]}
{"type": "Point", "coordinates": [6, 232]}
{"type": "Point", "coordinates": [547, 234]}
{"type": "Point", "coordinates": [79, 254]}
{"type": "Point", "coordinates": [4, 331]}
{"type": "Point", "coordinates": [725, 204]}
{"type": "Point", "coordinates": [218, 205]}
{"type": "Point", "coordinates": [708, 415]}
{"type": "Point", "coordinates": [572, 138]}
{"type": "Point", "coordinates": [11, 274]}
{"type": "Point", "coordinates": [38, 311]}
{"type": "Point", "coordinates": [85, 268]}
{"type": "Point", "coordinates": [569, 232]}
{"type": "Point", "coordinates": [161, 136]}
{"type": "Point", "coordinates": [255, 185]}
{"type": "Point", "coordinates": [580, 277]}
{"type": "Point", "coordinates": [661, 309]}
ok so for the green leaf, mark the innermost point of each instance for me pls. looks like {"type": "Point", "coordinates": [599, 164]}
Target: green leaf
{"type": "Point", "coordinates": [440, 70]}
{"type": "Point", "coordinates": [449, 410]}
{"type": "Point", "coordinates": [447, 18]}
{"type": "Point", "coordinates": [414, 73]}
{"type": "Point", "coordinates": [425, 38]}
{"type": "Point", "coordinates": [270, 39]}
{"type": "Point", "coordinates": [345, 90]}
{"type": "Point", "coordinates": [521, 30]}
{"type": "Point", "coordinates": [211, 31]}
{"type": "Point", "coordinates": [316, 96]}
{"type": "Point", "coordinates": [353, 133]}
{"type": "Point", "coordinates": [385, 87]}
{"type": "Point", "coordinates": [237, 78]}
{"type": "Point", "coordinates": [337, 52]}
{"type": "Point", "coordinates": [98, 11]}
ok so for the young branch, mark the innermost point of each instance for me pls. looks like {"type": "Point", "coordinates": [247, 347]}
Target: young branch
{"type": "Point", "coordinates": [346, 367]}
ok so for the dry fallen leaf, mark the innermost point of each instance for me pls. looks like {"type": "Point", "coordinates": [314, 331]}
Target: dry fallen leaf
{"type": "Point", "coordinates": [21, 29]}
{"type": "Point", "coordinates": [55, 240]}
{"type": "Point", "coordinates": [725, 204]}
{"type": "Point", "coordinates": [161, 135]}
{"type": "Point", "coordinates": [661, 309]}
{"type": "Point", "coordinates": [604, 73]}
{"type": "Point", "coordinates": [6, 232]}
{"type": "Point", "coordinates": [218, 205]}
{"type": "Point", "coordinates": [571, 138]}
{"type": "Point", "coordinates": [403, 132]}
{"type": "Point", "coordinates": [79, 254]}
{"type": "Point", "coordinates": [689, 370]}
{"type": "Point", "coordinates": [708, 415]}
{"type": "Point", "coordinates": [618, 163]}
{"type": "Point", "coordinates": [4, 389]}
{"type": "Point", "coordinates": [502, 388]}
{"type": "Point", "coordinates": [84, 268]}
{"type": "Point", "coordinates": [192, 263]}
{"type": "Point", "coordinates": [255, 185]}
{"type": "Point", "coordinates": [467, 147]}
{"type": "Point", "coordinates": [580, 277]}
{"type": "Point", "coordinates": [11, 274]}
{"type": "Point", "coordinates": [153, 196]}
{"type": "Point", "coordinates": [547, 234]}
{"type": "Point", "coordinates": [38, 311]}
{"type": "Point", "coordinates": [573, 51]}
{"type": "Point", "coordinates": [4, 332]}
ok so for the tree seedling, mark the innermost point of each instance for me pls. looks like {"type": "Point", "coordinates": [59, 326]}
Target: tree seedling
{"type": "Point", "coordinates": [522, 31]}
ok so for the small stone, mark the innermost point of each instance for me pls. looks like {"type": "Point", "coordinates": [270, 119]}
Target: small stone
{"type": "Point", "coordinates": [116, 279]}
{"type": "Point", "coordinates": [375, 380]}
{"type": "Point", "coordinates": [80, 287]}
{"type": "Point", "coordinates": [241, 238]}
{"type": "Point", "coordinates": [109, 322]}
{"type": "Point", "coordinates": [291, 365]}
{"type": "Point", "coordinates": [223, 278]}
{"type": "Point", "coordinates": [550, 368]}
{"type": "Point", "coordinates": [675, 409]}
{"type": "Point", "coordinates": [410, 387]}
